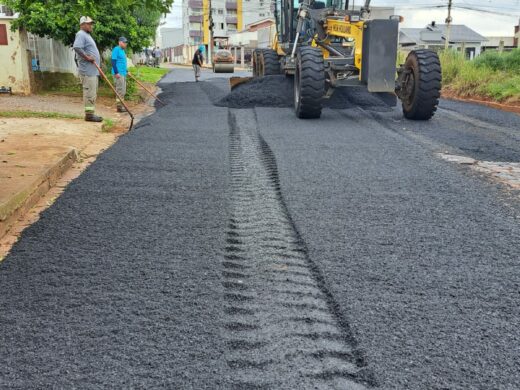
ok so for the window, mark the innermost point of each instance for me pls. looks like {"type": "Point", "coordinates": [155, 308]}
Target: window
{"type": "Point", "coordinates": [196, 11]}
{"type": "Point", "coordinates": [221, 11]}
{"type": "Point", "coordinates": [195, 26]}
{"type": "Point", "coordinates": [6, 11]}
{"type": "Point", "coordinates": [3, 35]}
{"type": "Point", "coordinates": [232, 27]}
{"type": "Point", "coordinates": [221, 26]}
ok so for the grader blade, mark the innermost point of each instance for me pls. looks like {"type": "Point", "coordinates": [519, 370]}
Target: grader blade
{"type": "Point", "coordinates": [234, 81]}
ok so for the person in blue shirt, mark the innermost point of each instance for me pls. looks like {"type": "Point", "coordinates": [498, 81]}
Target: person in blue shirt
{"type": "Point", "coordinates": [119, 70]}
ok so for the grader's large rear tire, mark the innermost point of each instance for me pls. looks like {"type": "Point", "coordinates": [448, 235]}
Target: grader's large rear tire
{"type": "Point", "coordinates": [309, 83]}
{"type": "Point", "coordinates": [271, 62]}
{"type": "Point", "coordinates": [422, 87]}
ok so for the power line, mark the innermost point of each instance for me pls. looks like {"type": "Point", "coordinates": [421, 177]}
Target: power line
{"type": "Point", "coordinates": [462, 7]}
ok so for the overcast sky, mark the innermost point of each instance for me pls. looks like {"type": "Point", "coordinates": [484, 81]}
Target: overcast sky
{"type": "Point", "coordinates": [419, 13]}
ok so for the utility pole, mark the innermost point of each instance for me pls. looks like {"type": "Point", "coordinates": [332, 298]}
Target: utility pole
{"type": "Point", "coordinates": [211, 24]}
{"type": "Point", "coordinates": [448, 27]}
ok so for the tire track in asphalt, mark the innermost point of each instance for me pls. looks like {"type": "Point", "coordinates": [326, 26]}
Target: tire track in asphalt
{"type": "Point", "coordinates": [282, 326]}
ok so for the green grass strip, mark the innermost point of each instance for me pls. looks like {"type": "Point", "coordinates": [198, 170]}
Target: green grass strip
{"type": "Point", "coordinates": [147, 74]}
{"type": "Point", "coordinates": [38, 114]}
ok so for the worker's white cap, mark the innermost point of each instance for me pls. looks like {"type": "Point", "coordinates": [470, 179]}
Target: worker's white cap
{"type": "Point", "coordinates": [85, 19]}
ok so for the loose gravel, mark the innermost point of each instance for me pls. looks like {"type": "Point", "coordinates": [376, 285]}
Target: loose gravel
{"type": "Point", "coordinates": [421, 254]}
{"type": "Point", "coordinates": [282, 327]}
{"type": "Point", "coordinates": [211, 249]}
{"type": "Point", "coordinates": [118, 285]}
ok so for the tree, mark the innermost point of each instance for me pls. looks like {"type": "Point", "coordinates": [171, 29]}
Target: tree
{"type": "Point", "coordinates": [59, 19]}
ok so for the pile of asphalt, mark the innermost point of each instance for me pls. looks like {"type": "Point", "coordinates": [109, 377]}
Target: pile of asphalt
{"type": "Point", "coordinates": [269, 91]}
{"type": "Point", "coordinates": [277, 91]}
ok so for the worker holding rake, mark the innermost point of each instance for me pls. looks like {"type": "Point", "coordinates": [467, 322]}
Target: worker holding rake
{"type": "Point", "coordinates": [88, 60]}
{"type": "Point", "coordinates": [120, 71]}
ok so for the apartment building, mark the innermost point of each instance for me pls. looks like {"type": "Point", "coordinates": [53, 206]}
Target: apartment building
{"type": "Point", "coordinates": [228, 17]}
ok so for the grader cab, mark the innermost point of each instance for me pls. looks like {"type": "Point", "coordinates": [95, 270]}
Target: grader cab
{"type": "Point", "coordinates": [326, 45]}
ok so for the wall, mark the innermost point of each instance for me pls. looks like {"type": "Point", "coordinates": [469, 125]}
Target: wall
{"type": "Point", "coordinates": [475, 48]}
{"type": "Point", "coordinates": [499, 43]}
{"type": "Point", "coordinates": [15, 60]}
{"type": "Point", "coordinates": [171, 37]}
{"type": "Point", "coordinates": [260, 38]}
{"type": "Point", "coordinates": [182, 54]}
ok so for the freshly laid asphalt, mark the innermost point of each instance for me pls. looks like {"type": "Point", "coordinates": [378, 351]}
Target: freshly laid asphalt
{"type": "Point", "coordinates": [209, 243]}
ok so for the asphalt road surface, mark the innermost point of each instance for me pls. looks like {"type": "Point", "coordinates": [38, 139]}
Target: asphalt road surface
{"type": "Point", "coordinates": [242, 248]}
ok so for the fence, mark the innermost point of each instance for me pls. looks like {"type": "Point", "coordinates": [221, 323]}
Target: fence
{"type": "Point", "coordinates": [49, 55]}
{"type": "Point", "coordinates": [181, 54]}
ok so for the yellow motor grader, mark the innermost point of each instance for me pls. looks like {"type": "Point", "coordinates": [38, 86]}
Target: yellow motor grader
{"type": "Point", "coordinates": [326, 45]}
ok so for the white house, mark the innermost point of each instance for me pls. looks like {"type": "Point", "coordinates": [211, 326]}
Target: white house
{"type": "Point", "coordinates": [433, 36]}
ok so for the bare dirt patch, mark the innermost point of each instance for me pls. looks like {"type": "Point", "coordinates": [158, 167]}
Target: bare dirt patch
{"type": "Point", "coordinates": [34, 154]}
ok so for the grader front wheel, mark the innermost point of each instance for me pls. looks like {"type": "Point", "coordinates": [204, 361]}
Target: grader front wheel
{"type": "Point", "coordinates": [421, 86]}
{"type": "Point", "coordinates": [271, 62]}
{"type": "Point", "coordinates": [309, 83]}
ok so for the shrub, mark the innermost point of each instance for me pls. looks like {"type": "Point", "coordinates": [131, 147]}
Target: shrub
{"type": "Point", "coordinates": [493, 75]}
{"type": "Point", "coordinates": [452, 62]}
{"type": "Point", "coordinates": [490, 59]}
{"type": "Point", "coordinates": [512, 60]}
{"type": "Point", "coordinates": [470, 79]}
{"type": "Point", "coordinates": [500, 61]}
{"type": "Point", "coordinates": [503, 87]}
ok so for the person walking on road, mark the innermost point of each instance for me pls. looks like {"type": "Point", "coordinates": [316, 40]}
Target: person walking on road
{"type": "Point", "coordinates": [120, 71]}
{"type": "Point", "coordinates": [198, 60]}
{"type": "Point", "coordinates": [157, 56]}
{"type": "Point", "coordinates": [87, 54]}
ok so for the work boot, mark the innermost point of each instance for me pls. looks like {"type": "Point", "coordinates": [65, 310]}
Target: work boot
{"type": "Point", "coordinates": [91, 117]}
{"type": "Point", "coordinates": [121, 109]}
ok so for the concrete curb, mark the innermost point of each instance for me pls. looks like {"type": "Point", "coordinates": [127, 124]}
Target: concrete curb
{"type": "Point", "coordinates": [24, 200]}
